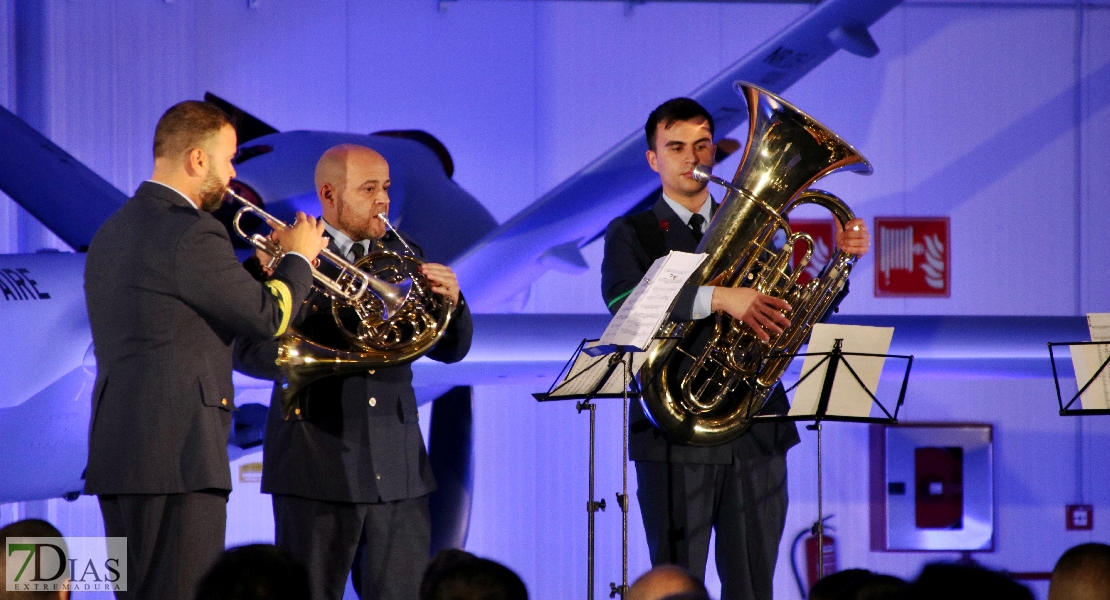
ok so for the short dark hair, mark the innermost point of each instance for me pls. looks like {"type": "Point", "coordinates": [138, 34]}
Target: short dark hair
{"type": "Point", "coordinates": [187, 125]}
{"type": "Point", "coordinates": [24, 529]}
{"type": "Point", "coordinates": [964, 582]}
{"type": "Point", "coordinates": [842, 585]}
{"type": "Point", "coordinates": [458, 575]}
{"type": "Point", "coordinates": [675, 109]}
{"type": "Point", "coordinates": [255, 572]}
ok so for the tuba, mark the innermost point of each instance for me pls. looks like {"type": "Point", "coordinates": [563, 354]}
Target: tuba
{"type": "Point", "coordinates": [382, 306]}
{"type": "Point", "coordinates": [704, 381]}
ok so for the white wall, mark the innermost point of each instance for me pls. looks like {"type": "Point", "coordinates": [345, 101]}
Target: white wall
{"type": "Point", "coordinates": [996, 115]}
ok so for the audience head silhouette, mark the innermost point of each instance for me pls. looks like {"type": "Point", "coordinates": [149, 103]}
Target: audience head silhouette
{"type": "Point", "coordinates": [459, 575]}
{"type": "Point", "coordinates": [1082, 573]}
{"type": "Point", "coordinates": [25, 529]}
{"type": "Point", "coordinates": [965, 582]}
{"type": "Point", "coordinates": [667, 582]}
{"type": "Point", "coordinates": [255, 572]}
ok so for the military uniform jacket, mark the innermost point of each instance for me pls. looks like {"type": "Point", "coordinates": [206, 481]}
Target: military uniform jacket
{"type": "Point", "coordinates": [625, 262]}
{"type": "Point", "coordinates": [166, 298]}
{"type": "Point", "coordinates": [357, 437]}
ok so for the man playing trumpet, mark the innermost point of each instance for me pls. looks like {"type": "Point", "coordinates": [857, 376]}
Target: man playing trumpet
{"type": "Point", "coordinates": [166, 298]}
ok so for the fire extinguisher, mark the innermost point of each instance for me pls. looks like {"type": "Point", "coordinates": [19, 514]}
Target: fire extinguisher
{"type": "Point", "coordinates": [810, 537]}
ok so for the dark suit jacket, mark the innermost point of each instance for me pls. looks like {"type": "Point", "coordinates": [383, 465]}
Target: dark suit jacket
{"type": "Point", "coordinates": [625, 262]}
{"type": "Point", "coordinates": [166, 298]}
{"type": "Point", "coordinates": [357, 438]}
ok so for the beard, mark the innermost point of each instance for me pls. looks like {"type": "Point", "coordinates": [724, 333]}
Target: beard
{"type": "Point", "coordinates": [212, 193]}
{"type": "Point", "coordinates": [359, 226]}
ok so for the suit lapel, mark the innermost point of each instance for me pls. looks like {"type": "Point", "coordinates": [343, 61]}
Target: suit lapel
{"type": "Point", "coordinates": [676, 233]}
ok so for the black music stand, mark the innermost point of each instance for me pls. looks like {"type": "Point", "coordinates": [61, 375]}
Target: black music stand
{"type": "Point", "coordinates": [598, 375]}
{"type": "Point", "coordinates": [1066, 410]}
{"type": "Point", "coordinates": [835, 358]}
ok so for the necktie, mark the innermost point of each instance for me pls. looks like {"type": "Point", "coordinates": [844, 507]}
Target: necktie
{"type": "Point", "coordinates": [696, 223]}
{"type": "Point", "coordinates": [357, 251]}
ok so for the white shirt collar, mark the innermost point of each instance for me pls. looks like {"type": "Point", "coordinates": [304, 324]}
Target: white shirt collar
{"type": "Point", "coordinates": [341, 240]}
{"type": "Point", "coordinates": [187, 199]}
{"type": "Point", "coordinates": [685, 213]}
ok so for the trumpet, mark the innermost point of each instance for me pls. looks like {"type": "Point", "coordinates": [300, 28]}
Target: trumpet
{"type": "Point", "coordinates": [351, 284]}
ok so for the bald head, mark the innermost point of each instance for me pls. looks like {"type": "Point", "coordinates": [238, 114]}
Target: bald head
{"type": "Point", "coordinates": [1082, 573]}
{"type": "Point", "coordinates": [332, 166]}
{"type": "Point", "coordinates": [352, 182]}
{"type": "Point", "coordinates": [666, 581]}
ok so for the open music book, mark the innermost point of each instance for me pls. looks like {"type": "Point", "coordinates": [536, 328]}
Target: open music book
{"type": "Point", "coordinates": [649, 304]}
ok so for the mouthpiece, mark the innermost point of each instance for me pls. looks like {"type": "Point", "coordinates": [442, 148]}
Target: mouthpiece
{"type": "Point", "coordinates": [702, 173]}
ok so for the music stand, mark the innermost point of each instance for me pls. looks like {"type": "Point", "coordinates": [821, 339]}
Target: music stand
{"type": "Point", "coordinates": [584, 377]}
{"type": "Point", "coordinates": [835, 358]}
{"type": "Point", "coordinates": [1066, 410]}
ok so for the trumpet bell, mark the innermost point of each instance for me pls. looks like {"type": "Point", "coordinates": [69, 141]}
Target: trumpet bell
{"type": "Point", "coordinates": [392, 296]}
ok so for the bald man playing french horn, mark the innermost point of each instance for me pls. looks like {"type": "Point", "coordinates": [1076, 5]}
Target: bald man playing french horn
{"type": "Point", "coordinates": [348, 471]}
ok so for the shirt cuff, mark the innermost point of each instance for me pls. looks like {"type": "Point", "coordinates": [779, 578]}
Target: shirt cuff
{"type": "Point", "coordinates": [703, 302]}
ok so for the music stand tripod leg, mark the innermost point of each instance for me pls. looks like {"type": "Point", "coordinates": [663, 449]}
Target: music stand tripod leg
{"type": "Point", "coordinates": [622, 497]}
{"type": "Point", "coordinates": [822, 409]}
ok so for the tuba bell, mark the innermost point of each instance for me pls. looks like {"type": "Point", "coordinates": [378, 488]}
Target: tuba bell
{"type": "Point", "coordinates": [703, 381]}
{"type": "Point", "coordinates": [383, 307]}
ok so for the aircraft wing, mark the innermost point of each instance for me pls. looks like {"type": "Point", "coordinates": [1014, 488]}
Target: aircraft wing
{"type": "Point", "coordinates": [548, 233]}
{"type": "Point", "coordinates": [63, 194]}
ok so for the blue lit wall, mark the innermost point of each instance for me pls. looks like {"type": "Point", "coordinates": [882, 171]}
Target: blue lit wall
{"type": "Point", "coordinates": [996, 115]}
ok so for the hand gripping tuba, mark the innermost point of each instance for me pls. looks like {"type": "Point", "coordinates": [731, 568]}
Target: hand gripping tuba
{"type": "Point", "coordinates": [703, 381]}
{"type": "Point", "coordinates": [382, 306]}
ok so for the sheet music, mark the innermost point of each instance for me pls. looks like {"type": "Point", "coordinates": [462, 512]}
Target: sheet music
{"type": "Point", "coordinates": [587, 370]}
{"type": "Point", "coordinates": [1099, 324]}
{"type": "Point", "coordinates": [848, 398]}
{"type": "Point", "coordinates": [650, 303]}
{"type": "Point", "coordinates": [1087, 359]}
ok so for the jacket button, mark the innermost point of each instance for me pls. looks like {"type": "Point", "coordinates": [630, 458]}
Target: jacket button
{"type": "Point", "coordinates": [373, 402]}
{"type": "Point", "coordinates": [224, 401]}
{"type": "Point", "coordinates": [377, 477]}
{"type": "Point", "coordinates": [371, 371]}
{"type": "Point", "coordinates": [297, 411]}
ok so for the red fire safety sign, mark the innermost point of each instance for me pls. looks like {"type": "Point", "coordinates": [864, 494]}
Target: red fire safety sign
{"type": "Point", "coordinates": [824, 243]}
{"type": "Point", "coordinates": [912, 256]}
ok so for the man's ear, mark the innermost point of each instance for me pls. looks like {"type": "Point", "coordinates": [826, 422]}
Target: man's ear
{"type": "Point", "coordinates": [327, 195]}
{"type": "Point", "coordinates": [653, 160]}
{"type": "Point", "coordinates": [196, 162]}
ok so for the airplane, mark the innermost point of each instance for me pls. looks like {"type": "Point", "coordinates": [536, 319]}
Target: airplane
{"type": "Point", "coordinates": [47, 366]}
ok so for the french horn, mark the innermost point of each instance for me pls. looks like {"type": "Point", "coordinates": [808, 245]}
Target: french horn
{"type": "Point", "coordinates": [703, 381]}
{"type": "Point", "coordinates": [382, 306]}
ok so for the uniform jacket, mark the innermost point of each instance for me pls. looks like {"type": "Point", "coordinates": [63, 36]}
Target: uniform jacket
{"type": "Point", "coordinates": [625, 262]}
{"type": "Point", "coordinates": [357, 437]}
{"type": "Point", "coordinates": [166, 298]}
